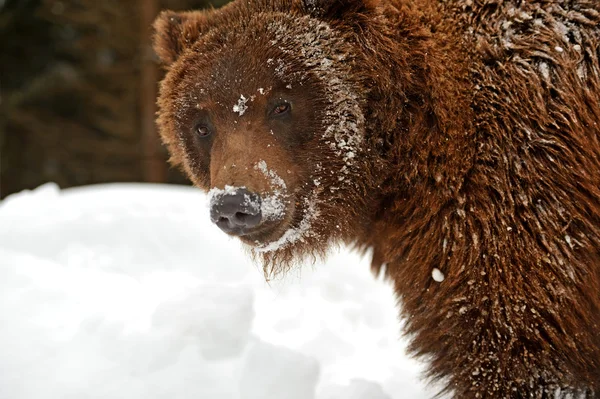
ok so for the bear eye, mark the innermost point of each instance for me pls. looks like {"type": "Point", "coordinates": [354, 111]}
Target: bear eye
{"type": "Point", "coordinates": [281, 109]}
{"type": "Point", "coordinates": [202, 130]}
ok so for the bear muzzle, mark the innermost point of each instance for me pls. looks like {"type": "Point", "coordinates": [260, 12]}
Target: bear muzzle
{"type": "Point", "coordinates": [236, 213]}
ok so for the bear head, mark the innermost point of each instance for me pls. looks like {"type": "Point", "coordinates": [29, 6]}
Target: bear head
{"type": "Point", "coordinates": [261, 106]}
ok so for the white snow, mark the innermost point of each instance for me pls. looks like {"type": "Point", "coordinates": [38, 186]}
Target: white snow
{"type": "Point", "coordinates": [294, 234]}
{"type": "Point", "coordinates": [274, 178]}
{"type": "Point", "coordinates": [128, 291]}
{"type": "Point", "coordinates": [437, 275]}
{"type": "Point", "coordinates": [272, 205]}
{"type": "Point", "coordinates": [241, 107]}
{"type": "Point", "coordinates": [545, 70]}
{"type": "Point", "coordinates": [568, 240]}
{"type": "Point", "coordinates": [215, 192]}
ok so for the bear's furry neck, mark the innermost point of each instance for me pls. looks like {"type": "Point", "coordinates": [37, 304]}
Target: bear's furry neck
{"type": "Point", "coordinates": [419, 122]}
{"type": "Point", "coordinates": [502, 201]}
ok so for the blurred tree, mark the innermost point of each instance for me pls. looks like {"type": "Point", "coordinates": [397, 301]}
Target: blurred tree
{"type": "Point", "coordinates": [78, 83]}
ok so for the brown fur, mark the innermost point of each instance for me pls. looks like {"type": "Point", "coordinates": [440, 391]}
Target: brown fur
{"type": "Point", "coordinates": [464, 136]}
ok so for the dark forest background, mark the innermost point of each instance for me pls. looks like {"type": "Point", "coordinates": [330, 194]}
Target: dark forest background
{"type": "Point", "coordinates": [78, 82]}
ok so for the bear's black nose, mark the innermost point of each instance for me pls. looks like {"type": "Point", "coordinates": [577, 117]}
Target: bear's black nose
{"type": "Point", "coordinates": [236, 212]}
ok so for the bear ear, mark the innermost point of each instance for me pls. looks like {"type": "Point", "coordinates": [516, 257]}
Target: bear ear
{"type": "Point", "coordinates": [174, 32]}
{"type": "Point", "coordinates": [337, 9]}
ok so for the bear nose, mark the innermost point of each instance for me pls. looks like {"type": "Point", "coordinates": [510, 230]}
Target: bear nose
{"type": "Point", "coordinates": [236, 213]}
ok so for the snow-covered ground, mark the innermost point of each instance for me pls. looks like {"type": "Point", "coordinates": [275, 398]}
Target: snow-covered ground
{"type": "Point", "coordinates": [128, 291]}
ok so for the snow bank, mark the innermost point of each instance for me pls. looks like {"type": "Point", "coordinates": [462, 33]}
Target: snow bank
{"type": "Point", "coordinates": [128, 291]}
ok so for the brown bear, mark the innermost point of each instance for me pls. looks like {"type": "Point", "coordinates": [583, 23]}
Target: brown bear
{"type": "Point", "coordinates": [459, 140]}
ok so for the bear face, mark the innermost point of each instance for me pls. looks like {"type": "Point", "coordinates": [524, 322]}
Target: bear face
{"type": "Point", "coordinates": [266, 115]}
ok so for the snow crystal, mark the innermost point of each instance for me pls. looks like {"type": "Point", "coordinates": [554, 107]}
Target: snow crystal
{"type": "Point", "coordinates": [281, 69]}
{"type": "Point", "coordinates": [545, 70]}
{"type": "Point", "coordinates": [261, 91]}
{"type": "Point", "coordinates": [272, 207]}
{"type": "Point", "coordinates": [568, 240]}
{"type": "Point", "coordinates": [276, 180]}
{"type": "Point", "coordinates": [252, 203]}
{"type": "Point", "coordinates": [437, 275]}
{"type": "Point", "coordinates": [215, 193]}
{"type": "Point", "coordinates": [581, 71]}
{"type": "Point", "coordinates": [523, 16]}
{"type": "Point", "coordinates": [241, 106]}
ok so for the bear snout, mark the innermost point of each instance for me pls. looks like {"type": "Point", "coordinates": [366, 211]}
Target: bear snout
{"type": "Point", "coordinates": [236, 212]}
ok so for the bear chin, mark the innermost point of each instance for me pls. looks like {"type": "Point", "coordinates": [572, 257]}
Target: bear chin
{"type": "Point", "coordinates": [302, 235]}
{"type": "Point", "coordinates": [265, 234]}
{"type": "Point", "coordinates": [273, 235]}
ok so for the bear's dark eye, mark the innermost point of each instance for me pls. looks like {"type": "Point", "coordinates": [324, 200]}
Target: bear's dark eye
{"type": "Point", "coordinates": [281, 109]}
{"type": "Point", "coordinates": [202, 130]}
